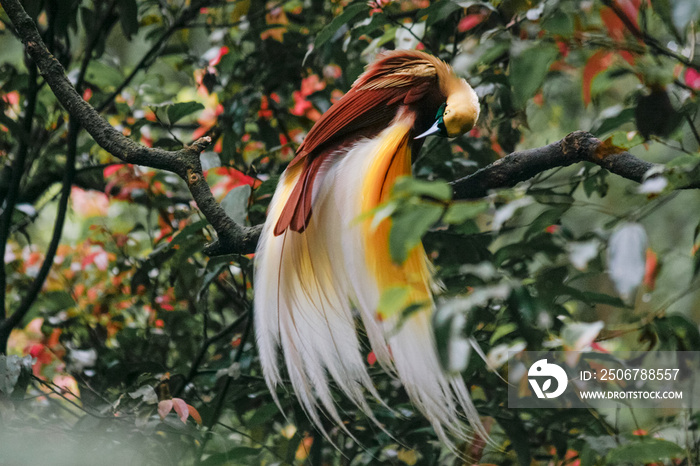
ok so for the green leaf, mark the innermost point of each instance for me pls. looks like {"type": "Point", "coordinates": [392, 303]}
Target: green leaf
{"type": "Point", "coordinates": [528, 70]}
{"type": "Point", "coordinates": [439, 11]}
{"type": "Point", "coordinates": [348, 14]}
{"type": "Point", "coordinates": [612, 119]}
{"type": "Point", "coordinates": [235, 204]}
{"type": "Point", "coordinates": [102, 75]}
{"type": "Point", "coordinates": [648, 450]}
{"type": "Point", "coordinates": [263, 414]}
{"type": "Point", "coordinates": [684, 12]}
{"type": "Point", "coordinates": [393, 300]}
{"type": "Point", "coordinates": [502, 331]}
{"type": "Point", "coordinates": [186, 233]}
{"type": "Point", "coordinates": [545, 219]}
{"type": "Point", "coordinates": [128, 17]}
{"type": "Point", "coordinates": [408, 185]}
{"type": "Point", "coordinates": [519, 437]}
{"type": "Point", "coordinates": [408, 227]}
{"type": "Point", "coordinates": [624, 140]}
{"type": "Point", "coordinates": [182, 109]}
{"type": "Point", "coordinates": [460, 212]}
{"type": "Point", "coordinates": [663, 9]}
{"type": "Point", "coordinates": [684, 329]}
{"type": "Point", "coordinates": [559, 23]}
{"type": "Point", "coordinates": [592, 297]}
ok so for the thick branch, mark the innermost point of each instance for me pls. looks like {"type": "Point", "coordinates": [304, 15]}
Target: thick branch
{"type": "Point", "coordinates": [578, 146]}
{"type": "Point", "coordinates": [185, 162]}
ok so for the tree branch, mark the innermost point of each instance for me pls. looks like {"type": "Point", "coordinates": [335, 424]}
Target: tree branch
{"type": "Point", "coordinates": [578, 146]}
{"type": "Point", "coordinates": [16, 173]}
{"type": "Point", "coordinates": [185, 162]}
{"type": "Point", "coordinates": [30, 296]}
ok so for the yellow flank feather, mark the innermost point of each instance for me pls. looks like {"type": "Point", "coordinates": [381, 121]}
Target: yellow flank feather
{"type": "Point", "coordinates": [391, 161]}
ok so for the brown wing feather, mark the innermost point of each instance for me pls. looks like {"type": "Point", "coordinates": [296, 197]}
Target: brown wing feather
{"type": "Point", "coordinates": [396, 79]}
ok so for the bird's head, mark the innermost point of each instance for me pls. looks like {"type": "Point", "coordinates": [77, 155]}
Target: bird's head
{"type": "Point", "coordinates": [459, 112]}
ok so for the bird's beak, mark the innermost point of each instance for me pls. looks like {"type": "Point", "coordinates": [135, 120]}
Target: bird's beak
{"type": "Point", "coordinates": [433, 129]}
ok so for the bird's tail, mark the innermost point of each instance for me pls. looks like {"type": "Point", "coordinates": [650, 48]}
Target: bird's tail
{"type": "Point", "coordinates": [310, 286]}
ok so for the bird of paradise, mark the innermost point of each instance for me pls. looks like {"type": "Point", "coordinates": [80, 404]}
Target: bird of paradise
{"type": "Point", "coordinates": [318, 267]}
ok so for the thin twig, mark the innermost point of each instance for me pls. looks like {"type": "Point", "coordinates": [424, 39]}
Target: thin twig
{"type": "Point", "coordinates": [32, 293]}
{"type": "Point", "coordinates": [13, 190]}
{"type": "Point", "coordinates": [187, 15]}
{"type": "Point", "coordinates": [203, 351]}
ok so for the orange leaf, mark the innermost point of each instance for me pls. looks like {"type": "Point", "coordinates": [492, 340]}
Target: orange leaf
{"type": "Point", "coordinates": [304, 448]}
{"type": "Point", "coordinates": [598, 62]}
{"type": "Point", "coordinates": [616, 28]}
{"type": "Point", "coordinates": [651, 270]}
{"type": "Point", "coordinates": [195, 414]}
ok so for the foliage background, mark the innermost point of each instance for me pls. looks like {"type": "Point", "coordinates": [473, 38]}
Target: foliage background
{"type": "Point", "coordinates": [134, 319]}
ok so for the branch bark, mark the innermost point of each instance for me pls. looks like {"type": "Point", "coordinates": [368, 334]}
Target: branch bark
{"type": "Point", "coordinates": [185, 162]}
{"type": "Point", "coordinates": [576, 147]}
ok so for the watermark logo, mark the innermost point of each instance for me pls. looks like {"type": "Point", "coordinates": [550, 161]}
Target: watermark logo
{"type": "Point", "coordinates": [542, 370]}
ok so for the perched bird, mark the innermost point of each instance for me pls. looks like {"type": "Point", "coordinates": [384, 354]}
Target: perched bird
{"type": "Point", "coordinates": [318, 267]}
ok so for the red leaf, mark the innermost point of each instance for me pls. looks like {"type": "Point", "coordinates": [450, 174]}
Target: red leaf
{"type": "Point", "coordinates": [222, 51]}
{"type": "Point", "coordinates": [627, 56]}
{"type": "Point", "coordinates": [692, 78]}
{"type": "Point", "coordinates": [616, 28]}
{"type": "Point", "coordinates": [371, 358]}
{"type": "Point", "coordinates": [598, 62]}
{"type": "Point", "coordinates": [470, 21]}
{"type": "Point", "coordinates": [112, 169]}
{"type": "Point", "coordinates": [181, 409]}
{"type": "Point", "coordinates": [164, 407]}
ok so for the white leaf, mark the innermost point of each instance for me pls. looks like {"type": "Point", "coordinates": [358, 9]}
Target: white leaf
{"type": "Point", "coordinates": [235, 204]}
{"type": "Point", "coordinates": [499, 354]}
{"type": "Point", "coordinates": [209, 160]}
{"type": "Point", "coordinates": [458, 348]}
{"type": "Point", "coordinates": [577, 336]}
{"type": "Point", "coordinates": [80, 359]}
{"type": "Point", "coordinates": [146, 393]}
{"type": "Point", "coordinates": [627, 258]}
{"type": "Point", "coordinates": [653, 185]}
{"type": "Point", "coordinates": [580, 254]}
{"type": "Point", "coordinates": [407, 37]}
{"type": "Point", "coordinates": [503, 214]}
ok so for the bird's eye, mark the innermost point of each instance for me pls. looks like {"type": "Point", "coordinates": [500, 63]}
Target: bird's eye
{"type": "Point", "coordinates": [438, 127]}
{"type": "Point", "coordinates": [442, 112]}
